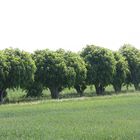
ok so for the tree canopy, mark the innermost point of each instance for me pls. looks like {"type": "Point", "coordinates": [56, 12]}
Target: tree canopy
{"type": "Point", "coordinates": [100, 66]}
{"type": "Point", "coordinates": [17, 69]}
{"type": "Point", "coordinates": [132, 56]}
{"type": "Point", "coordinates": [75, 61]}
{"type": "Point", "coordinates": [52, 71]}
{"type": "Point", "coordinates": [21, 70]}
{"type": "Point", "coordinates": [4, 72]}
{"type": "Point", "coordinates": [60, 69]}
{"type": "Point", "coordinates": [121, 72]}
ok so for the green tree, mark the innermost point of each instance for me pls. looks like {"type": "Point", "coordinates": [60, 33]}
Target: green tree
{"type": "Point", "coordinates": [100, 66]}
{"type": "Point", "coordinates": [52, 71]}
{"type": "Point", "coordinates": [35, 89]}
{"type": "Point", "coordinates": [132, 56]}
{"type": "Point", "coordinates": [19, 69]}
{"type": "Point", "coordinates": [121, 72]}
{"type": "Point", "coordinates": [4, 72]}
{"type": "Point", "coordinates": [75, 61]}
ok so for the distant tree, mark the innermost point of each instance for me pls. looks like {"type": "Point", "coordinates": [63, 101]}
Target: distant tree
{"type": "Point", "coordinates": [100, 66]}
{"type": "Point", "coordinates": [35, 89]}
{"type": "Point", "coordinates": [4, 72]}
{"type": "Point", "coordinates": [52, 71]}
{"type": "Point", "coordinates": [121, 72]}
{"type": "Point", "coordinates": [132, 56]}
{"type": "Point", "coordinates": [75, 61]}
{"type": "Point", "coordinates": [18, 69]}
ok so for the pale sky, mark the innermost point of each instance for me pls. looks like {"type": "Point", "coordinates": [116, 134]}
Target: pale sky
{"type": "Point", "coordinates": [69, 24]}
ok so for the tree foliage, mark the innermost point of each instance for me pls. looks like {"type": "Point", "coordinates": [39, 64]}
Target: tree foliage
{"type": "Point", "coordinates": [132, 56]}
{"type": "Point", "coordinates": [52, 71]}
{"type": "Point", "coordinates": [100, 66]}
{"type": "Point", "coordinates": [121, 72]}
{"type": "Point", "coordinates": [59, 69]}
{"type": "Point", "coordinates": [17, 69]}
{"type": "Point", "coordinates": [4, 72]}
{"type": "Point", "coordinates": [21, 70]}
{"type": "Point", "coordinates": [75, 61]}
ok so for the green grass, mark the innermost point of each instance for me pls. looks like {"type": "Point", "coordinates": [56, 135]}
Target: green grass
{"type": "Point", "coordinates": [114, 117]}
{"type": "Point", "coordinates": [18, 95]}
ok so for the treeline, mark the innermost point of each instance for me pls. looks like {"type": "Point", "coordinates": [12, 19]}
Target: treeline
{"type": "Point", "coordinates": [59, 69]}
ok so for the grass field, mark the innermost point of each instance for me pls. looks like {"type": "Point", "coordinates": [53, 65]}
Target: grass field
{"type": "Point", "coordinates": [114, 117]}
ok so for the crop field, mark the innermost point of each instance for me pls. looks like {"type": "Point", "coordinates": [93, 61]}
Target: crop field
{"type": "Point", "coordinates": [115, 117]}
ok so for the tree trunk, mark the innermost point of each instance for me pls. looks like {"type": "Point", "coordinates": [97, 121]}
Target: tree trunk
{"type": "Point", "coordinates": [79, 91]}
{"type": "Point", "coordinates": [99, 89]}
{"type": "Point", "coordinates": [117, 88]}
{"type": "Point", "coordinates": [1, 97]}
{"type": "Point", "coordinates": [127, 87]}
{"type": "Point", "coordinates": [54, 92]}
{"type": "Point", "coordinates": [136, 85]}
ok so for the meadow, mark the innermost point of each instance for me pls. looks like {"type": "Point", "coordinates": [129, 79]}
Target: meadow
{"type": "Point", "coordinates": [115, 117]}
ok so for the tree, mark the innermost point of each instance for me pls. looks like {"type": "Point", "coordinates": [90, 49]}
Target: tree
{"type": "Point", "coordinates": [100, 67]}
{"type": "Point", "coordinates": [52, 71]}
{"type": "Point", "coordinates": [35, 89]}
{"type": "Point", "coordinates": [132, 56]}
{"type": "Point", "coordinates": [19, 69]}
{"type": "Point", "coordinates": [4, 72]}
{"type": "Point", "coordinates": [121, 72]}
{"type": "Point", "coordinates": [75, 61]}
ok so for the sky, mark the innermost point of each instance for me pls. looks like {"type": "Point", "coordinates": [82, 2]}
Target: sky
{"type": "Point", "coordinates": [69, 24]}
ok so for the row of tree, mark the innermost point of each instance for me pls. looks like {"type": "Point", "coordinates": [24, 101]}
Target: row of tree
{"type": "Point", "coordinates": [59, 69]}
